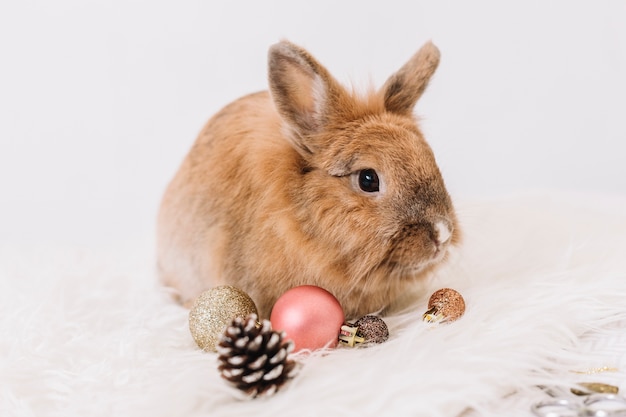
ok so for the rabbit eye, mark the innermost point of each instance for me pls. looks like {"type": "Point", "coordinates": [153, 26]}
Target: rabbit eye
{"type": "Point", "coordinates": [368, 180]}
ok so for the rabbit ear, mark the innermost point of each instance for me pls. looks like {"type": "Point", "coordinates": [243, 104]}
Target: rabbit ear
{"type": "Point", "coordinates": [405, 87]}
{"type": "Point", "coordinates": [302, 90]}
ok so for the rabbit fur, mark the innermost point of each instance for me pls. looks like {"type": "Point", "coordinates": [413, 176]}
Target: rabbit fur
{"type": "Point", "coordinates": [310, 183]}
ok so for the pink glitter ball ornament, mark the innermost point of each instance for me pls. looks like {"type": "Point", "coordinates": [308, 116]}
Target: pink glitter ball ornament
{"type": "Point", "coordinates": [310, 316]}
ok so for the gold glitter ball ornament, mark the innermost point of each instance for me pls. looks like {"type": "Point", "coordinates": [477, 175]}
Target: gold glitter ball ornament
{"type": "Point", "coordinates": [214, 310]}
{"type": "Point", "coordinates": [445, 305]}
{"type": "Point", "coordinates": [373, 329]}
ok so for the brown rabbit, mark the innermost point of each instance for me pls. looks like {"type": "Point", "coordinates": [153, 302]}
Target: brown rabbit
{"type": "Point", "coordinates": [310, 184]}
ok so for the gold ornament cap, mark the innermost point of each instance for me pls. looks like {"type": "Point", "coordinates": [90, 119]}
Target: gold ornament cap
{"type": "Point", "coordinates": [214, 310]}
{"type": "Point", "coordinates": [348, 336]}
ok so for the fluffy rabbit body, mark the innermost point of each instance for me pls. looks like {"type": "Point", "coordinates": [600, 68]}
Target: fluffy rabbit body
{"type": "Point", "coordinates": [310, 184]}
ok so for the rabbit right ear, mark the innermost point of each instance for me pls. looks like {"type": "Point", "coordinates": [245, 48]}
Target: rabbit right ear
{"type": "Point", "coordinates": [303, 92]}
{"type": "Point", "coordinates": [405, 87]}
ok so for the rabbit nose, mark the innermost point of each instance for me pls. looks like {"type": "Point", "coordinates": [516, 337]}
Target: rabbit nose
{"type": "Point", "coordinates": [443, 232]}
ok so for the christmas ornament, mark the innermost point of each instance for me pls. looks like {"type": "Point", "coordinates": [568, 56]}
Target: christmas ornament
{"type": "Point", "coordinates": [445, 305]}
{"type": "Point", "coordinates": [213, 310]}
{"type": "Point", "coordinates": [373, 329]}
{"type": "Point", "coordinates": [367, 329]}
{"type": "Point", "coordinates": [254, 358]}
{"type": "Point", "coordinates": [310, 316]}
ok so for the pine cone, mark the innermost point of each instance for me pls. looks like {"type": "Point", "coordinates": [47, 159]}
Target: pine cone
{"type": "Point", "coordinates": [254, 358]}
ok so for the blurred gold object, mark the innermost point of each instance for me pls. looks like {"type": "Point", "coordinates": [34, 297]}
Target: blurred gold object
{"type": "Point", "coordinates": [597, 370]}
{"type": "Point", "coordinates": [589, 388]}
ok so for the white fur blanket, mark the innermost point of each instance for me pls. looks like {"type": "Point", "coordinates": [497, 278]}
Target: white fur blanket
{"type": "Point", "coordinates": [90, 333]}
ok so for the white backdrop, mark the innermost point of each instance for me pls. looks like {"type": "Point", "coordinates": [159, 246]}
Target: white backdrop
{"type": "Point", "coordinates": [100, 100]}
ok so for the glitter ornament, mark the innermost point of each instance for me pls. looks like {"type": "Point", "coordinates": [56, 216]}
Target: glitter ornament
{"type": "Point", "coordinates": [372, 328]}
{"type": "Point", "coordinates": [214, 310]}
{"type": "Point", "coordinates": [310, 316]}
{"type": "Point", "coordinates": [445, 305]}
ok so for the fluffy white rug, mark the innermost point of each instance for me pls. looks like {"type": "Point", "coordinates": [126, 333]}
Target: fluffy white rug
{"type": "Point", "coordinates": [543, 276]}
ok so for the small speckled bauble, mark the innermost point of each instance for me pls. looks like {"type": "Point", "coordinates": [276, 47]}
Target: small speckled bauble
{"type": "Point", "coordinates": [373, 329]}
{"type": "Point", "coordinates": [214, 310]}
{"type": "Point", "coordinates": [310, 316]}
{"type": "Point", "coordinates": [445, 304]}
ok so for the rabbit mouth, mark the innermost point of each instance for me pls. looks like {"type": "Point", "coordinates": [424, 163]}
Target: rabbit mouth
{"type": "Point", "coordinates": [412, 267]}
{"type": "Point", "coordinates": [437, 257]}
{"type": "Point", "coordinates": [420, 246]}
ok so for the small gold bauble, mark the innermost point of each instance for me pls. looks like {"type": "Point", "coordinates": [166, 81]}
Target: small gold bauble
{"type": "Point", "coordinates": [214, 310]}
{"type": "Point", "coordinates": [445, 305]}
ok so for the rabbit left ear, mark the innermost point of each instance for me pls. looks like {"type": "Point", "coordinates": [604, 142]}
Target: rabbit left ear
{"type": "Point", "coordinates": [303, 92]}
{"type": "Point", "coordinates": [405, 87]}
